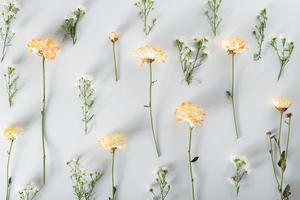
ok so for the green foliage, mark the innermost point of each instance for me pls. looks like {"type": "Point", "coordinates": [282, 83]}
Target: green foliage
{"type": "Point", "coordinates": [28, 192]}
{"type": "Point", "coordinates": [161, 184]}
{"type": "Point", "coordinates": [212, 14]}
{"type": "Point", "coordinates": [11, 83]}
{"type": "Point", "coordinates": [145, 7]}
{"type": "Point", "coordinates": [259, 32]}
{"type": "Point", "coordinates": [240, 171]}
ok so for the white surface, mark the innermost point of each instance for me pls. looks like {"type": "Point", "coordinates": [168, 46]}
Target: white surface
{"type": "Point", "coordinates": [119, 106]}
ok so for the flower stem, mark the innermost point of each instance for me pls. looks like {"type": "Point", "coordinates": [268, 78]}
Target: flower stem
{"type": "Point", "coordinates": [8, 179]}
{"type": "Point", "coordinates": [150, 110]}
{"type": "Point", "coordinates": [113, 187]}
{"type": "Point", "coordinates": [279, 133]}
{"type": "Point", "coordinates": [190, 163]}
{"type": "Point", "coordinates": [115, 61]}
{"type": "Point", "coordinates": [273, 162]}
{"type": "Point", "coordinates": [4, 43]}
{"type": "Point", "coordinates": [43, 121]}
{"type": "Point", "coordinates": [233, 99]}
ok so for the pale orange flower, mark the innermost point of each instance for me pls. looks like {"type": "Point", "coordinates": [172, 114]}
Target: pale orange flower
{"type": "Point", "coordinates": [148, 54]}
{"type": "Point", "coordinates": [47, 48]}
{"type": "Point", "coordinates": [282, 104]}
{"type": "Point", "coordinates": [234, 45]}
{"type": "Point", "coordinates": [12, 132]}
{"type": "Point", "coordinates": [113, 141]}
{"type": "Point", "coordinates": [114, 36]}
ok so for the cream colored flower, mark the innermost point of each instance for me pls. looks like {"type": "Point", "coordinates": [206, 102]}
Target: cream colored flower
{"type": "Point", "coordinates": [148, 54]}
{"type": "Point", "coordinates": [113, 141]}
{"type": "Point", "coordinates": [47, 48]}
{"type": "Point", "coordinates": [281, 104]}
{"type": "Point", "coordinates": [234, 45]}
{"type": "Point", "coordinates": [114, 36]}
{"type": "Point", "coordinates": [12, 132]}
{"type": "Point", "coordinates": [191, 113]}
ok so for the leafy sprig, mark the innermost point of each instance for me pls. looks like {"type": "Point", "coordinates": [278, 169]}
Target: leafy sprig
{"type": "Point", "coordinates": [212, 14]}
{"type": "Point", "coordinates": [191, 59]}
{"type": "Point", "coordinates": [284, 49]}
{"type": "Point", "coordinates": [161, 184]}
{"type": "Point", "coordinates": [83, 182]}
{"type": "Point", "coordinates": [86, 96]}
{"type": "Point", "coordinates": [70, 23]}
{"type": "Point", "coordinates": [11, 83]}
{"type": "Point", "coordinates": [28, 192]}
{"type": "Point", "coordinates": [259, 32]}
{"type": "Point", "coordinates": [145, 7]}
{"type": "Point", "coordinates": [240, 171]}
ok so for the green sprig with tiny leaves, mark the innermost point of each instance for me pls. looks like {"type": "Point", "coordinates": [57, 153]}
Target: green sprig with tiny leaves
{"type": "Point", "coordinates": [83, 182]}
{"type": "Point", "coordinates": [284, 50]}
{"type": "Point", "coordinates": [191, 59]}
{"type": "Point", "coordinates": [240, 171]}
{"type": "Point", "coordinates": [8, 15]}
{"type": "Point", "coordinates": [28, 192]}
{"type": "Point", "coordinates": [259, 32]}
{"type": "Point", "coordinates": [212, 14]}
{"type": "Point", "coordinates": [86, 96]}
{"type": "Point", "coordinates": [11, 83]}
{"type": "Point", "coordinates": [145, 7]}
{"type": "Point", "coordinates": [160, 187]}
{"type": "Point", "coordinates": [70, 23]}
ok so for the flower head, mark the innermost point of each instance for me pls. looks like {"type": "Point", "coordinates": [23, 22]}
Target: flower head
{"type": "Point", "coordinates": [44, 47]}
{"type": "Point", "coordinates": [234, 45]}
{"type": "Point", "coordinates": [148, 54]}
{"type": "Point", "coordinates": [114, 36]}
{"type": "Point", "coordinates": [113, 141]}
{"type": "Point", "coordinates": [12, 133]}
{"type": "Point", "coordinates": [281, 104]}
{"type": "Point", "coordinates": [191, 113]}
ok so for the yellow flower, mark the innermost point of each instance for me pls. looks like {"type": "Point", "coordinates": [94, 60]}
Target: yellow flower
{"type": "Point", "coordinates": [12, 132]}
{"type": "Point", "coordinates": [148, 54]}
{"type": "Point", "coordinates": [44, 47]}
{"type": "Point", "coordinates": [113, 141]}
{"type": "Point", "coordinates": [114, 36]}
{"type": "Point", "coordinates": [191, 113]}
{"type": "Point", "coordinates": [234, 45]}
{"type": "Point", "coordinates": [281, 104]}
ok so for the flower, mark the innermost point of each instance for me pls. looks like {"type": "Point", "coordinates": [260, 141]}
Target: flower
{"type": "Point", "coordinates": [113, 141]}
{"type": "Point", "coordinates": [234, 45]}
{"type": "Point", "coordinates": [44, 47]}
{"type": "Point", "coordinates": [12, 132]}
{"type": "Point", "coordinates": [150, 54]}
{"type": "Point", "coordinates": [114, 36]}
{"type": "Point", "coordinates": [191, 113]}
{"type": "Point", "coordinates": [281, 104]}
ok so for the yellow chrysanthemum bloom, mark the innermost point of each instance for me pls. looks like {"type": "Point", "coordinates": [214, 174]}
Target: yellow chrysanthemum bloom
{"type": "Point", "coordinates": [234, 45]}
{"type": "Point", "coordinates": [191, 113]}
{"type": "Point", "coordinates": [113, 141]}
{"type": "Point", "coordinates": [282, 104]}
{"type": "Point", "coordinates": [12, 132]}
{"type": "Point", "coordinates": [47, 48]}
{"type": "Point", "coordinates": [148, 54]}
{"type": "Point", "coordinates": [114, 36]}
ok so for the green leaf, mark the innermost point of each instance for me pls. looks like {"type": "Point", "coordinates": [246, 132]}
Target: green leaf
{"type": "Point", "coordinates": [195, 159]}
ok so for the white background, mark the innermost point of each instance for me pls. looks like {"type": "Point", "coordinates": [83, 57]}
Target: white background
{"type": "Point", "coordinates": [119, 106]}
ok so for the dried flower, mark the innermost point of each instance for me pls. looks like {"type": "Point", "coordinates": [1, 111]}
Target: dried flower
{"type": "Point", "coordinates": [161, 183]}
{"type": "Point", "coordinates": [240, 165]}
{"type": "Point", "coordinates": [28, 192]}
{"type": "Point", "coordinates": [148, 54]}
{"type": "Point", "coordinates": [46, 48]}
{"type": "Point", "coordinates": [191, 59]}
{"type": "Point", "coordinates": [234, 45]}
{"type": "Point", "coordinates": [145, 7]}
{"type": "Point", "coordinates": [12, 133]}
{"type": "Point", "coordinates": [259, 32]}
{"type": "Point", "coordinates": [114, 37]}
{"type": "Point", "coordinates": [191, 113]}
{"type": "Point", "coordinates": [212, 14]}
{"type": "Point", "coordinates": [11, 83]}
{"type": "Point", "coordinates": [281, 104]}
{"type": "Point", "coordinates": [113, 141]}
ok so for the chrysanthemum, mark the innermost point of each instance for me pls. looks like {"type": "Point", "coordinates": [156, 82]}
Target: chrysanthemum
{"type": "Point", "coordinates": [191, 113]}
{"type": "Point", "coordinates": [12, 132]}
{"type": "Point", "coordinates": [234, 45]}
{"type": "Point", "coordinates": [113, 141]}
{"type": "Point", "coordinates": [282, 104]}
{"type": "Point", "coordinates": [47, 48]}
{"type": "Point", "coordinates": [114, 36]}
{"type": "Point", "coordinates": [148, 54]}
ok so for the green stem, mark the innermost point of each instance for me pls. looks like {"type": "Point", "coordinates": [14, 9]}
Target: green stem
{"type": "Point", "coordinates": [43, 121]}
{"type": "Point", "coordinates": [233, 98]}
{"type": "Point", "coordinates": [113, 175]}
{"type": "Point", "coordinates": [288, 139]}
{"type": "Point", "coordinates": [4, 43]}
{"type": "Point", "coordinates": [150, 110]}
{"type": "Point", "coordinates": [145, 20]}
{"type": "Point", "coordinates": [279, 133]}
{"type": "Point", "coordinates": [8, 181]}
{"type": "Point", "coordinates": [273, 162]}
{"type": "Point", "coordinates": [115, 61]}
{"type": "Point", "coordinates": [190, 163]}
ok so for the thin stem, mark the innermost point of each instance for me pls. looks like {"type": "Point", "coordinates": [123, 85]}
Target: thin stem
{"type": "Point", "coordinates": [150, 110]}
{"type": "Point", "coordinates": [4, 43]}
{"type": "Point", "coordinates": [190, 163]}
{"type": "Point", "coordinates": [115, 61]}
{"type": "Point", "coordinates": [8, 181]}
{"type": "Point", "coordinates": [43, 121]}
{"type": "Point", "coordinates": [113, 174]}
{"type": "Point", "coordinates": [279, 133]}
{"type": "Point", "coordinates": [288, 138]}
{"type": "Point", "coordinates": [273, 162]}
{"type": "Point", "coordinates": [233, 98]}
